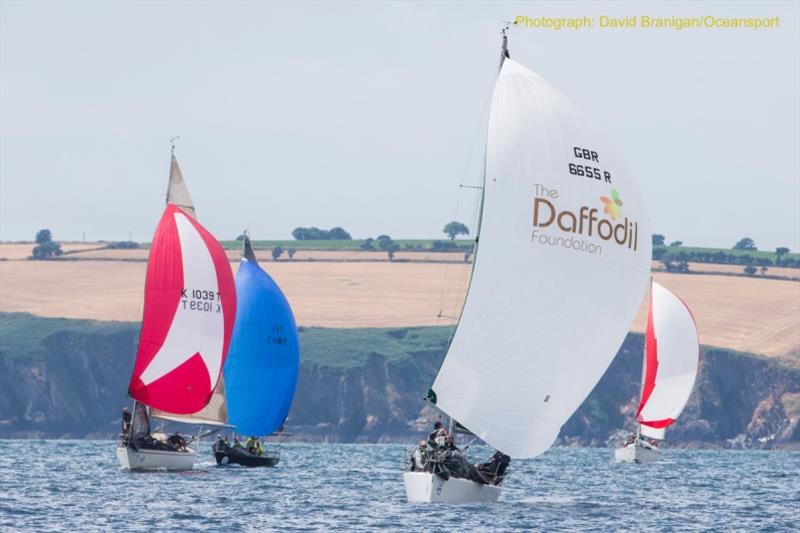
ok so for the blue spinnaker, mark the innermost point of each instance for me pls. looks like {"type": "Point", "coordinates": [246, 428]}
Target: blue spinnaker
{"type": "Point", "coordinates": [264, 356]}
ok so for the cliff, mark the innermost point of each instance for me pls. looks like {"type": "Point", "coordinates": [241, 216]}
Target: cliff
{"type": "Point", "coordinates": [68, 378]}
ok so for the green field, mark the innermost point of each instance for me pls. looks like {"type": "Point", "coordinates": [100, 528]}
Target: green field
{"type": "Point", "coordinates": [24, 336]}
{"type": "Point", "coordinates": [353, 346]}
{"type": "Point", "coordinates": [354, 244]}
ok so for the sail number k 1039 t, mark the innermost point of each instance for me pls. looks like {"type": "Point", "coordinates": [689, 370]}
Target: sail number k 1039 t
{"type": "Point", "coordinates": [200, 300]}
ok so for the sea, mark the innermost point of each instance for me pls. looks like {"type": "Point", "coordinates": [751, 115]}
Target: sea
{"type": "Point", "coordinates": [75, 485]}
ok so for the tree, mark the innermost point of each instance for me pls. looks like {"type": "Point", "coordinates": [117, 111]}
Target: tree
{"type": "Point", "coordinates": [43, 236]}
{"type": "Point", "coordinates": [339, 234]}
{"type": "Point", "coordinates": [290, 252]}
{"type": "Point", "coordinates": [45, 248]}
{"type": "Point", "coordinates": [367, 244]}
{"type": "Point", "coordinates": [454, 229]}
{"type": "Point", "coordinates": [276, 253]}
{"type": "Point", "coordinates": [675, 244]}
{"type": "Point", "coordinates": [384, 242]}
{"type": "Point", "coordinates": [750, 270]}
{"type": "Point", "coordinates": [658, 239]}
{"type": "Point", "coordinates": [390, 250]}
{"type": "Point", "coordinates": [745, 243]}
{"type": "Point", "coordinates": [315, 234]}
{"type": "Point", "coordinates": [764, 270]}
{"type": "Point", "coordinates": [782, 250]}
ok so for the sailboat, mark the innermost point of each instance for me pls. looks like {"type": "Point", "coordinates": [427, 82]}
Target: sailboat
{"type": "Point", "coordinates": [189, 311]}
{"type": "Point", "coordinates": [263, 362]}
{"type": "Point", "coordinates": [561, 264]}
{"type": "Point", "coordinates": [672, 352]}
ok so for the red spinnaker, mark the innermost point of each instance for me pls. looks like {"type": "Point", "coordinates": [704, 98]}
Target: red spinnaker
{"type": "Point", "coordinates": [651, 359]}
{"type": "Point", "coordinates": [189, 311]}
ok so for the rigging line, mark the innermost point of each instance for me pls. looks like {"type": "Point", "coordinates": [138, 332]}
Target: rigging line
{"type": "Point", "coordinates": [447, 283]}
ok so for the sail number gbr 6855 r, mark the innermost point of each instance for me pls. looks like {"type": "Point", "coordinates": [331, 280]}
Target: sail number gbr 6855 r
{"type": "Point", "coordinates": [583, 169]}
{"type": "Point", "coordinates": [201, 300]}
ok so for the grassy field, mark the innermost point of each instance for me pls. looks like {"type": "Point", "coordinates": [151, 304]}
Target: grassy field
{"type": "Point", "coordinates": [754, 254]}
{"type": "Point", "coordinates": [355, 345]}
{"type": "Point", "coordinates": [22, 335]}
{"type": "Point", "coordinates": [354, 244]}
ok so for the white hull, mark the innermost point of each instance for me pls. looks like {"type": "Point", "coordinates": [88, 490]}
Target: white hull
{"type": "Point", "coordinates": [155, 459]}
{"type": "Point", "coordinates": [637, 454]}
{"type": "Point", "coordinates": [428, 488]}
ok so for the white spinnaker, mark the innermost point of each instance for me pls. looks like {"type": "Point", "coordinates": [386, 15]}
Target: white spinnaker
{"type": "Point", "coordinates": [540, 323]}
{"type": "Point", "coordinates": [678, 353]}
{"type": "Point", "coordinates": [193, 330]}
{"type": "Point", "coordinates": [655, 433]}
{"type": "Point", "coordinates": [177, 192]}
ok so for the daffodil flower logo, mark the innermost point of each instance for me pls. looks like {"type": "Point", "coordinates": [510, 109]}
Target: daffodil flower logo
{"type": "Point", "coordinates": [613, 205]}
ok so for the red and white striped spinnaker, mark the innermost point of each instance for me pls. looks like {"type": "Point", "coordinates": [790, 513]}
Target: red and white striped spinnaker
{"type": "Point", "coordinates": [189, 310]}
{"type": "Point", "coordinates": [672, 352]}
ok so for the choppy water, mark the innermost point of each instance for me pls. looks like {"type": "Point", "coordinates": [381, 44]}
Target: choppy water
{"type": "Point", "coordinates": [78, 486]}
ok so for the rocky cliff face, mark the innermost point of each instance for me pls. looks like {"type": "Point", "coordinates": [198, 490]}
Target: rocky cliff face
{"type": "Point", "coordinates": [71, 380]}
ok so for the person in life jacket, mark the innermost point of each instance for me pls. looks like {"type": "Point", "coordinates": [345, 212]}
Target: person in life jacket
{"type": "Point", "coordinates": [494, 470]}
{"type": "Point", "coordinates": [419, 459]}
{"type": "Point", "coordinates": [250, 444]}
{"type": "Point", "coordinates": [126, 421]}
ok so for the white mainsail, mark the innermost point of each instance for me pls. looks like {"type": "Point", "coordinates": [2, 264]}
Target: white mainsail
{"type": "Point", "coordinates": [177, 192]}
{"type": "Point", "coordinates": [670, 367]}
{"type": "Point", "coordinates": [562, 265]}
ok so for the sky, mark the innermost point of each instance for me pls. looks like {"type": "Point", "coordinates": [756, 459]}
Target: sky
{"type": "Point", "coordinates": [369, 115]}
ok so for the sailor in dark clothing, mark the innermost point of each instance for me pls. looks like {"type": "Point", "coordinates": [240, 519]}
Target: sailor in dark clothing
{"type": "Point", "coordinates": [438, 436]}
{"type": "Point", "coordinates": [177, 441]}
{"type": "Point", "coordinates": [126, 421]}
{"type": "Point", "coordinates": [494, 469]}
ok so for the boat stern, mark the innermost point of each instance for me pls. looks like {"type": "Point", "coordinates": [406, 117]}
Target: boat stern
{"type": "Point", "coordinates": [424, 487]}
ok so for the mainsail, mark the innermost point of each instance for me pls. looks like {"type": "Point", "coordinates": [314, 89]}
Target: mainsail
{"type": "Point", "coordinates": [190, 305]}
{"type": "Point", "coordinates": [177, 192]}
{"type": "Point", "coordinates": [562, 265]}
{"type": "Point", "coordinates": [264, 357]}
{"type": "Point", "coordinates": [672, 352]}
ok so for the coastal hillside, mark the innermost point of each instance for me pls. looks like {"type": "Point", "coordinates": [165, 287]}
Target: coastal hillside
{"type": "Point", "coordinates": [68, 378]}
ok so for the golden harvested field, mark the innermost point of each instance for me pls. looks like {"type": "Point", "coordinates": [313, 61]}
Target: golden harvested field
{"type": "Point", "coordinates": [322, 294]}
{"type": "Point", "coordinates": [708, 268]}
{"type": "Point", "coordinates": [740, 313]}
{"type": "Point", "coordinates": [14, 251]}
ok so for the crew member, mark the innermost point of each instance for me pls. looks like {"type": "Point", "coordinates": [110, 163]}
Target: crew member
{"type": "Point", "coordinates": [419, 459]}
{"type": "Point", "coordinates": [438, 437]}
{"type": "Point", "coordinates": [126, 421]}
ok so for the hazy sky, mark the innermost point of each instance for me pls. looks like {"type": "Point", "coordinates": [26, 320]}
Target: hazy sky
{"type": "Point", "coordinates": [362, 115]}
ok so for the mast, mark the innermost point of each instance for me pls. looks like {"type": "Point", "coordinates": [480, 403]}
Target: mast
{"type": "Point", "coordinates": [644, 363]}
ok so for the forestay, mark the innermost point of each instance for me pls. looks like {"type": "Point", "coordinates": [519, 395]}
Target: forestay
{"type": "Point", "coordinates": [264, 359]}
{"type": "Point", "coordinates": [671, 358]}
{"type": "Point", "coordinates": [562, 265]}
